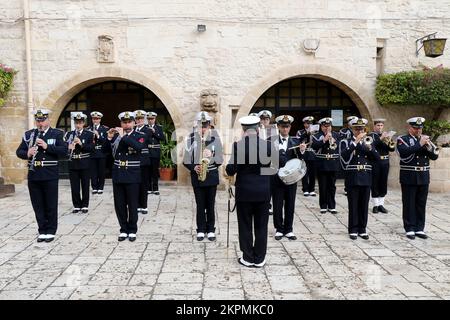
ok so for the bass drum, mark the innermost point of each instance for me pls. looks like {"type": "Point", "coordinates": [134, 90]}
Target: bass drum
{"type": "Point", "coordinates": [293, 171]}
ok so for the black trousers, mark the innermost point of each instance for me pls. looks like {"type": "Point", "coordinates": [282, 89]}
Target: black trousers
{"type": "Point", "coordinates": [247, 214]}
{"type": "Point", "coordinates": [77, 178]}
{"type": "Point", "coordinates": [309, 180]}
{"type": "Point", "coordinates": [414, 200]}
{"type": "Point", "coordinates": [44, 198]}
{"type": "Point", "coordinates": [98, 166]}
{"type": "Point", "coordinates": [283, 194]}
{"type": "Point", "coordinates": [143, 187]}
{"type": "Point", "coordinates": [358, 208]}
{"type": "Point", "coordinates": [380, 172]}
{"type": "Point", "coordinates": [327, 189]}
{"type": "Point", "coordinates": [154, 174]}
{"type": "Point", "coordinates": [205, 198]}
{"type": "Point", "coordinates": [125, 203]}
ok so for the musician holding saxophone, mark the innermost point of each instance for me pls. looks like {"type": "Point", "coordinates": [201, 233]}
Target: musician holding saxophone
{"type": "Point", "coordinates": [202, 157]}
{"type": "Point", "coordinates": [325, 144]}
{"type": "Point", "coordinates": [415, 151]}
{"type": "Point", "coordinates": [356, 155]}
{"type": "Point", "coordinates": [80, 144]}
{"type": "Point", "coordinates": [42, 147]}
{"type": "Point", "coordinates": [384, 144]}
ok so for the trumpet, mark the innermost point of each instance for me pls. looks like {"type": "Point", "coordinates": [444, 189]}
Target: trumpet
{"type": "Point", "coordinates": [431, 147]}
{"type": "Point", "coordinates": [111, 132]}
{"type": "Point", "coordinates": [367, 141]}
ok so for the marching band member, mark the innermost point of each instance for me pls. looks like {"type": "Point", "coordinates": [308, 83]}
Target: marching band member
{"type": "Point", "coordinates": [284, 195]}
{"type": "Point", "coordinates": [145, 161]}
{"type": "Point", "coordinates": [98, 156]}
{"type": "Point", "coordinates": [202, 158]}
{"type": "Point", "coordinates": [416, 151]}
{"type": "Point", "coordinates": [380, 169]}
{"type": "Point", "coordinates": [309, 180]}
{"type": "Point", "coordinates": [325, 143]}
{"type": "Point", "coordinates": [126, 145]}
{"type": "Point", "coordinates": [42, 147]}
{"type": "Point", "coordinates": [247, 162]}
{"type": "Point", "coordinates": [154, 150]}
{"type": "Point", "coordinates": [346, 132]}
{"type": "Point", "coordinates": [266, 129]}
{"type": "Point", "coordinates": [356, 155]}
{"type": "Point", "coordinates": [80, 144]}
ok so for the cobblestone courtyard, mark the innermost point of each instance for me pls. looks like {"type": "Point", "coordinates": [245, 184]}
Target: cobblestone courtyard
{"type": "Point", "coordinates": [166, 262]}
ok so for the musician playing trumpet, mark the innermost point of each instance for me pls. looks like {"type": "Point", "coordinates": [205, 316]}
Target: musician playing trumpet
{"type": "Point", "coordinates": [305, 136]}
{"type": "Point", "coordinates": [80, 144]}
{"type": "Point", "coordinates": [356, 155]}
{"type": "Point", "coordinates": [384, 144]}
{"type": "Point", "coordinates": [202, 157]}
{"type": "Point", "coordinates": [415, 151]}
{"type": "Point", "coordinates": [325, 144]}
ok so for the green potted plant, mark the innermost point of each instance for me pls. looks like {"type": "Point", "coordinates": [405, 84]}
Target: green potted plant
{"type": "Point", "coordinates": [6, 82]}
{"type": "Point", "coordinates": [167, 164]}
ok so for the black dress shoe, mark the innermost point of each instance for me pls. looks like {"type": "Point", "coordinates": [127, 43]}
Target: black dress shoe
{"type": "Point", "coordinates": [382, 209]}
{"type": "Point", "coordinates": [94, 191]}
{"type": "Point", "coordinates": [421, 235]}
{"type": "Point", "coordinates": [156, 192]}
{"type": "Point", "coordinates": [293, 237]}
{"type": "Point", "coordinates": [364, 236]}
{"type": "Point", "coordinates": [122, 237]}
{"type": "Point", "coordinates": [84, 210]}
{"type": "Point", "coordinates": [278, 237]}
{"type": "Point", "coordinates": [49, 239]}
{"type": "Point", "coordinates": [40, 239]}
{"type": "Point", "coordinates": [76, 210]}
{"type": "Point", "coordinates": [411, 236]}
{"type": "Point", "coordinates": [100, 191]}
{"type": "Point", "coordinates": [353, 236]}
{"type": "Point", "coordinates": [375, 209]}
{"type": "Point", "coordinates": [144, 211]}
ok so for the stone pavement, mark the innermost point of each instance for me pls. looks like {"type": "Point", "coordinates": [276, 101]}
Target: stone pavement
{"type": "Point", "coordinates": [166, 262]}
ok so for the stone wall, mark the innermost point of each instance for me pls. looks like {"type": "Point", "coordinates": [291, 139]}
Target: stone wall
{"type": "Point", "coordinates": [247, 47]}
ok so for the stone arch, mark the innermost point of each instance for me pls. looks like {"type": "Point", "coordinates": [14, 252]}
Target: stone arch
{"type": "Point", "coordinates": [344, 81]}
{"type": "Point", "coordinates": [60, 96]}
{"type": "Point", "coordinates": [57, 100]}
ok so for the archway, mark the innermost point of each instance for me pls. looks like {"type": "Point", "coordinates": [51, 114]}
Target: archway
{"type": "Point", "coordinates": [64, 94]}
{"type": "Point", "coordinates": [306, 96]}
{"type": "Point", "coordinates": [348, 83]}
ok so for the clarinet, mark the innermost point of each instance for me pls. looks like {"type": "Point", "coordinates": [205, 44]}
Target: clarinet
{"type": "Point", "coordinates": [72, 137]}
{"type": "Point", "coordinates": [40, 134]}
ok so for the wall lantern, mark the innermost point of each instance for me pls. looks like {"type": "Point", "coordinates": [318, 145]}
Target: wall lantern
{"type": "Point", "coordinates": [433, 47]}
{"type": "Point", "coordinates": [201, 28]}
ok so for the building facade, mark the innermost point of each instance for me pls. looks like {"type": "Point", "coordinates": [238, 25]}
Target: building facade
{"type": "Point", "coordinates": [300, 57]}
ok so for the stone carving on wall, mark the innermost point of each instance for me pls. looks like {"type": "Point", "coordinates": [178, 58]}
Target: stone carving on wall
{"type": "Point", "coordinates": [105, 50]}
{"type": "Point", "coordinates": [209, 100]}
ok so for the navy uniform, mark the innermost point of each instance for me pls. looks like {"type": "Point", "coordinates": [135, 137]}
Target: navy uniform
{"type": "Point", "coordinates": [309, 180]}
{"type": "Point", "coordinates": [356, 158]}
{"type": "Point", "coordinates": [126, 175]}
{"type": "Point", "coordinates": [380, 169]}
{"type": "Point", "coordinates": [98, 156]}
{"type": "Point", "coordinates": [145, 163]}
{"type": "Point", "coordinates": [250, 161]}
{"type": "Point", "coordinates": [154, 149]}
{"type": "Point", "coordinates": [327, 164]}
{"type": "Point", "coordinates": [79, 164]}
{"type": "Point", "coordinates": [43, 172]}
{"type": "Point", "coordinates": [415, 176]}
{"type": "Point", "coordinates": [284, 195]}
{"type": "Point", "coordinates": [345, 134]}
{"type": "Point", "coordinates": [204, 191]}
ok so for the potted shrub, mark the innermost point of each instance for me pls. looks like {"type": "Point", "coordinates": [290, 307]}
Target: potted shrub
{"type": "Point", "coordinates": [167, 165]}
{"type": "Point", "coordinates": [6, 82]}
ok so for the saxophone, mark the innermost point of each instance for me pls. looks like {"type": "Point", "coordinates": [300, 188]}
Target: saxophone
{"type": "Point", "coordinates": [204, 162]}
